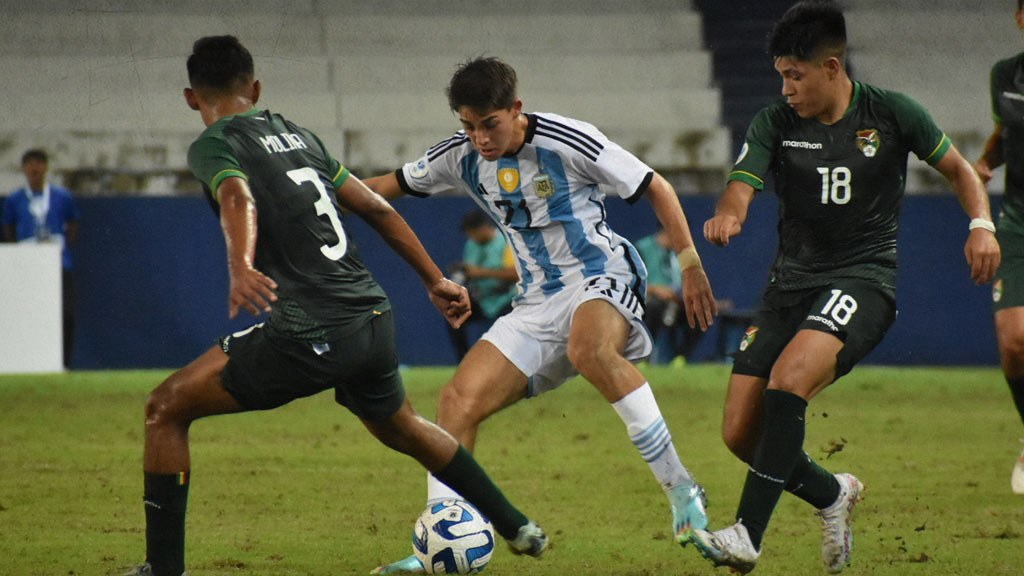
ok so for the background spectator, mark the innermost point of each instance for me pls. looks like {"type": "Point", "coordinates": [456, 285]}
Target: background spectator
{"type": "Point", "coordinates": [41, 212]}
{"type": "Point", "coordinates": [487, 270]}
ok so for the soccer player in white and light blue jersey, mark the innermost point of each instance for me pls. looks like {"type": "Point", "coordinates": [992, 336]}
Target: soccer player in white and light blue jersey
{"type": "Point", "coordinates": [543, 178]}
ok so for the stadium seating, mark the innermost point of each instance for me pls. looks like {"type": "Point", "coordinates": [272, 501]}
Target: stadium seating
{"type": "Point", "coordinates": [99, 84]}
{"type": "Point", "coordinates": [95, 82]}
{"type": "Point", "coordinates": [940, 53]}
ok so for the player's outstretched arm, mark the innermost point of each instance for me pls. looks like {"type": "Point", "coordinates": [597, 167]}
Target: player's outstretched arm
{"type": "Point", "coordinates": [981, 249]}
{"type": "Point", "coordinates": [698, 300]}
{"type": "Point", "coordinates": [386, 186]}
{"type": "Point", "coordinates": [730, 213]}
{"type": "Point", "coordinates": [451, 299]}
{"type": "Point", "coordinates": [250, 288]}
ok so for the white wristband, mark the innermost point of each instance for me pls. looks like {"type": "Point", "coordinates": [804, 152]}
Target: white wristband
{"type": "Point", "coordinates": [983, 224]}
{"type": "Point", "coordinates": [688, 258]}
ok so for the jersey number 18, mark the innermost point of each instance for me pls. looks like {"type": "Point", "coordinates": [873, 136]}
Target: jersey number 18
{"type": "Point", "coordinates": [835, 185]}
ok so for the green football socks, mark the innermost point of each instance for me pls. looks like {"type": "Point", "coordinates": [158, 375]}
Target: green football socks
{"type": "Point", "coordinates": [780, 446]}
{"type": "Point", "coordinates": [165, 497]}
{"type": "Point", "coordinates": [1017, 390]}
{"type": "Point", "coordinates": [812, 483]}
{"type": "Point", "coordinates": [464, 475]}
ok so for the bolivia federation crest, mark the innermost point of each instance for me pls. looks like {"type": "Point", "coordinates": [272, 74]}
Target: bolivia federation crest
{"type": "Point", "coordinates": [509, 179]}
{"type": "Point", "coordinates": [748, 338]}
{"type": "Point", "coordinates": [868, 142]}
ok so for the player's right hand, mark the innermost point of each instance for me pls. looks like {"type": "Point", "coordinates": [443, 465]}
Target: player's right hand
{"type": "Point", "coordinates": [451, 300]}
{"type": "Point", "coordinates": [983, 171]}
{"type": "Point", "coordinates": [720, 228]}
{"type": "Point", "coordinates": [252, 290]}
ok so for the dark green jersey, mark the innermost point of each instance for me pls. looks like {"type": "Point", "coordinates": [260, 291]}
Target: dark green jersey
{"type": "Point", "coordinates": [1007, 91]}
{"type": "Point", "coordinates": [324, 289]}
{"type": "Point", "coordinates": [839, 185]}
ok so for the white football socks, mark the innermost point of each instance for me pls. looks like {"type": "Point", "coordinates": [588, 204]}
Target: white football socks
{"type": "Point", "coordinates": [648, 432]}
{"type": "Point", "coordinates": [438, 491]}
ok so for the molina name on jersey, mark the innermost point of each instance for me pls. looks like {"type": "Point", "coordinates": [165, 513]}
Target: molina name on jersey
{"type": "Point", "coordinates": [840, 185]}
{"type": "Point", "coordinates": [547, 198]}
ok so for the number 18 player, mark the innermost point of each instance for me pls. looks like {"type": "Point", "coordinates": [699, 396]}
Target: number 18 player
{"type": "Point", "coordinates": [837, 150]}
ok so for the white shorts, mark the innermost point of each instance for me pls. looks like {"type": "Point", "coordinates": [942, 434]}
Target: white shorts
{"type": "Point", "coordinates": [535, 337]}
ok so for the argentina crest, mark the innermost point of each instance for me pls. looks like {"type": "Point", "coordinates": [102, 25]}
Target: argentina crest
{"type": "Point", "coordinates": [509, 179]}
{"type": "Point", "coordinates": [868, 142]}
{"type": "Point", "coordinates": [543, 187]}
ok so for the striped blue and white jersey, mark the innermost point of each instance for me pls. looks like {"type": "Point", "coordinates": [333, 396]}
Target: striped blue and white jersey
{"type": "Point", "coordinates": [548, 200]}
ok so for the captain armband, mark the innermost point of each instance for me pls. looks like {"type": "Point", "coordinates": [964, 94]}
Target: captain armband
{"type": "Point", "coordinates": [688, 258]}
{"type": "Point", "coordinates": [983, 224]}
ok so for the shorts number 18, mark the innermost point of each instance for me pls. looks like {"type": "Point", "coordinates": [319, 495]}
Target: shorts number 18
{"type": "Point", "coordinates": [840, 306]}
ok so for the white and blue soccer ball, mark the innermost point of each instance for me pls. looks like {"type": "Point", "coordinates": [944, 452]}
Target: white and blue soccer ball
{"type": "Point", "coordinates": [453, 537]}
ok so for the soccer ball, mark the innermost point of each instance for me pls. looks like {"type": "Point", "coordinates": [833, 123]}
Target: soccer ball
{"type": "Point", "coordinates": [452, 537]}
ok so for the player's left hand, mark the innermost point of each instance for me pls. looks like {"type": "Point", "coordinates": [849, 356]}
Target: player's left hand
{"type": "Point", "coordinates": [451, 300]}
{"type": "Point", "coordinates": [250, 289]}
{"type": "Point", "coordinates": [697, 298]}
{"type": "Point", "coordinates": [983, 255]}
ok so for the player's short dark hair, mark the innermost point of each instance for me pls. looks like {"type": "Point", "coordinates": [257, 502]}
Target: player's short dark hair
{"type": "Point", "coordinates": [219, 63]}
{"type": "Point", "coordinates": [808, 31]}
{"type": "Point", "coordinates": [473, 220]}
{"type": "Point", "coordinates": [35, 154]}
{"type": "Point", "coordinates": [483, 83]}
{"type": "Point", "coordinates": [1020, 5]}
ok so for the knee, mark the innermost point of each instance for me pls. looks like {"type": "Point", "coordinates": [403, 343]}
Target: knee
{"type": "Point", "coordinates": [1011, 351]}
{"type": "Point", "coordinates": [586, 356]}
{"type": "Point", "coordinates": [165, 405]}
{"type": "Point", "coordinates": [458, 409]}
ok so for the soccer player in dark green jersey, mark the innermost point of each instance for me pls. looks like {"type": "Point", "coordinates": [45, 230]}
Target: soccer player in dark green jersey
{"type": "Point", "coordinates": [1007, 143]}
{"type": "Point", "coordinates": [837, 150]}
{"type": "Point", "coordinates": [277, 192]}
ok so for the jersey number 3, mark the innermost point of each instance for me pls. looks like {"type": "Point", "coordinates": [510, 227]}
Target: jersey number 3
{"type": "Point", "coordinates": [324, 207]}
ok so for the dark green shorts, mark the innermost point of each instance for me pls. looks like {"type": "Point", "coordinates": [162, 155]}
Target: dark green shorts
{"type": "Point", "coordinates": [857, 312]}
{"type": "Point", "coordinates": [1008, 284]}
{"type": "Point", "coordinates": [266, 370]}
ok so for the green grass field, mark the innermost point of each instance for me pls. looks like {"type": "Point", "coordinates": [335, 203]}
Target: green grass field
{"type": "Point", "coordinates": [305, 490]}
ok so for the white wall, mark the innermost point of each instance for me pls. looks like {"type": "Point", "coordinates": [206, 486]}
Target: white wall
{"type": "Point", "coordinates": [31, 332]}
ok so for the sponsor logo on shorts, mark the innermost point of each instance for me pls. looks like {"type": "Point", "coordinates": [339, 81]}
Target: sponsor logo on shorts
{"type": "Point", "coordinates": [830, 324]}
{"type": "Point", "coordinates": [997, 290]}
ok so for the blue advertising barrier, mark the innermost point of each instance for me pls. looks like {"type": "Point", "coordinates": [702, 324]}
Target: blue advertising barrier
{"type": "Point", "coordinates": [152, 285]}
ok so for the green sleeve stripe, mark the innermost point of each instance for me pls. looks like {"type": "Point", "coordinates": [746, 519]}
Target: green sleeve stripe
{"type": "Point", "coordinates": [939, 151]}
{"type": "Point", "coordinates": [747, 177]}
{"type": "Point", "coordinates": [223, 175]}
{"type": "Point", "coordinates": [340, 177]}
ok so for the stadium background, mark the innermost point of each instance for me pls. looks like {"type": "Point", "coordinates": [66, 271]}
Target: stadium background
{"type": "Point", "coordinates": [98, 84]}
